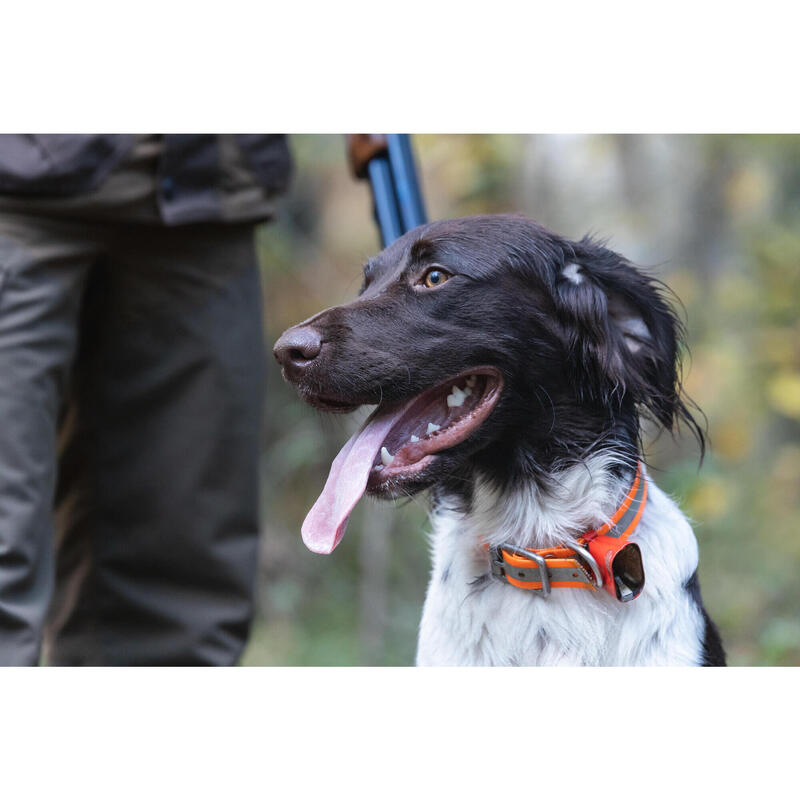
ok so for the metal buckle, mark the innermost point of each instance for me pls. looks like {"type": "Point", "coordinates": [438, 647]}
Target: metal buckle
{"type": "Point", "coordinates": [590, 559]}
{"type": "Point", "coordinates": [498, 564]}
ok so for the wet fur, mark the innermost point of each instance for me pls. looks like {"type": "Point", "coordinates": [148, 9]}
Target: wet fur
{"type": "Point", "coordinates": [588, 345]}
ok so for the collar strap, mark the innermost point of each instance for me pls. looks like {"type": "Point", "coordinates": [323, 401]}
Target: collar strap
{"type": "Point", "coordinates": [601, 558]}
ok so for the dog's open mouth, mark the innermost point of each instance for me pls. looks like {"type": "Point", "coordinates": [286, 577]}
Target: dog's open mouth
{"type": "Point", "coordinates": [436, 420]}
{"type": "Point", "coordinates": [397, 443]}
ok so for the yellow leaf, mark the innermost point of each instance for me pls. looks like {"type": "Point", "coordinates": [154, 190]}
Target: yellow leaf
{"type": "Point", "coordinates": [784, 393]}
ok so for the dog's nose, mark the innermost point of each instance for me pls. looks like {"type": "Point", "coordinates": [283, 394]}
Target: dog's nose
{"type": "Point", "coordinates": [297, 347]}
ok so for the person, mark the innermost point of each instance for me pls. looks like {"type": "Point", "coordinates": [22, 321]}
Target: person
{"type": "Point", "coordinates": [131, 392]}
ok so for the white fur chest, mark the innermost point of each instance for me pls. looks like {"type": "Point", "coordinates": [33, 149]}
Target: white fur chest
{"type": "Point", "coordinates": [471, 619]}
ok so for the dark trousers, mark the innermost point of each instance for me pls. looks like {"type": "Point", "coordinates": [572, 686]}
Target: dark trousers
{"type": "Point", "coordinates": [131, 381]}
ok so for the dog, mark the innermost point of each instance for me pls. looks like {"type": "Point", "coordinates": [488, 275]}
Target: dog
{"type": "Point", "coordinates": [512, 370]}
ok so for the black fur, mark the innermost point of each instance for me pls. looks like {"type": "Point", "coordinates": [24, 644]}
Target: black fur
{"type": "Point", "coordinates": [713, 652]}
{"type": "Point", "coordinates": [572, 383]}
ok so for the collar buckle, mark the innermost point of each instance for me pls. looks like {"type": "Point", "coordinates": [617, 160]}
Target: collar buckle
{"type": "Point", "coordinates": [583, 553]}
{"type": "Point", "coordinates": [499, 570]}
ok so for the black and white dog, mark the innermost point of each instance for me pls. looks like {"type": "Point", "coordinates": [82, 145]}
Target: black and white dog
{"type": "Point", "coordinates": [510, 368]}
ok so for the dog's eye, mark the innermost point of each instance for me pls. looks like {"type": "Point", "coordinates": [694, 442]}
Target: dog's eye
{"type": "Point", "coordinates": [434, 277]}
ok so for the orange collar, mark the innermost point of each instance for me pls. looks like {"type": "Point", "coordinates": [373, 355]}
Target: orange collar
{"type": "Point", "coordinates": [601, 558]}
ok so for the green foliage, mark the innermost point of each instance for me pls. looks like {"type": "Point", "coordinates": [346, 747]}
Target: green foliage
{"type": "Point", "coordinates": [719, 214]}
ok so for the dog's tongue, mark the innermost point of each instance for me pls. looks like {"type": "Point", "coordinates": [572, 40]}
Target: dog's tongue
{"type": "Point", "coordinates": [326, 523]}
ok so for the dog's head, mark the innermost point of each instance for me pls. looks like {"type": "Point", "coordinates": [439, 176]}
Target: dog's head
{"type": "Point", "coordinates": [486, 342]}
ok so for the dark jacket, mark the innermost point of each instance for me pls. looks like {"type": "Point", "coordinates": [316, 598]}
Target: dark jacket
{"type": "Point", "coordinates": [60, 165]}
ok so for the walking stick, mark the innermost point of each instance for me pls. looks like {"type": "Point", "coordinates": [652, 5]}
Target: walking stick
{"type": "Point", "coordinates": [387, 161]}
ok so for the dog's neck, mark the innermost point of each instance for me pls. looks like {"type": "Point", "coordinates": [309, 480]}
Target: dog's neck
{"type": "Point", "coordinates": [472, 618]}
{"type": "Point", "coordinates": [547, 511]}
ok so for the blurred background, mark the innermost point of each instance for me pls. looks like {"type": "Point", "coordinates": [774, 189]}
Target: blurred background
{"type": "Point", "coordinates": [716, 217]}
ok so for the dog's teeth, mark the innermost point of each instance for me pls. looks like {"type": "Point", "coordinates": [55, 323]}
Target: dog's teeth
{"type": "Point", "coordinates": [456, 397]}
{"type": "Point", "coordinates": [432, 428]}
{"type": "Point", "coordinates": [467, 390]}
{"type": "Point", "coordinates": [377, 468]}
{"type": "Point", "coordinates": [414, 438]}
{"type": "Point", "coordinates": [386, 457]}
{"type": "Point", "coordinates": [471, 380]}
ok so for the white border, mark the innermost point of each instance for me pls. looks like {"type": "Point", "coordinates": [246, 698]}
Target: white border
{"type": "Point", "coordinates": [386, 733]}
{"type": "Point", "coordinates": [419, 66]}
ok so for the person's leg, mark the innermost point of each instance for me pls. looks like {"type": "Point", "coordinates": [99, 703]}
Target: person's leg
{"type": "Point", "coordinates": [159, 492]}
{"type": "Point", "coordinates": [43, 266]}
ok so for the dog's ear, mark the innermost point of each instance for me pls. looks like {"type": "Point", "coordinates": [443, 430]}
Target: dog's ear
{"type": "Point", "coordinates": [622, 335]}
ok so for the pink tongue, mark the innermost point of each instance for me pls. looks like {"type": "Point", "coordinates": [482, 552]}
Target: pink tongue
{"type": "Point", "coordinates": [326, 523]}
